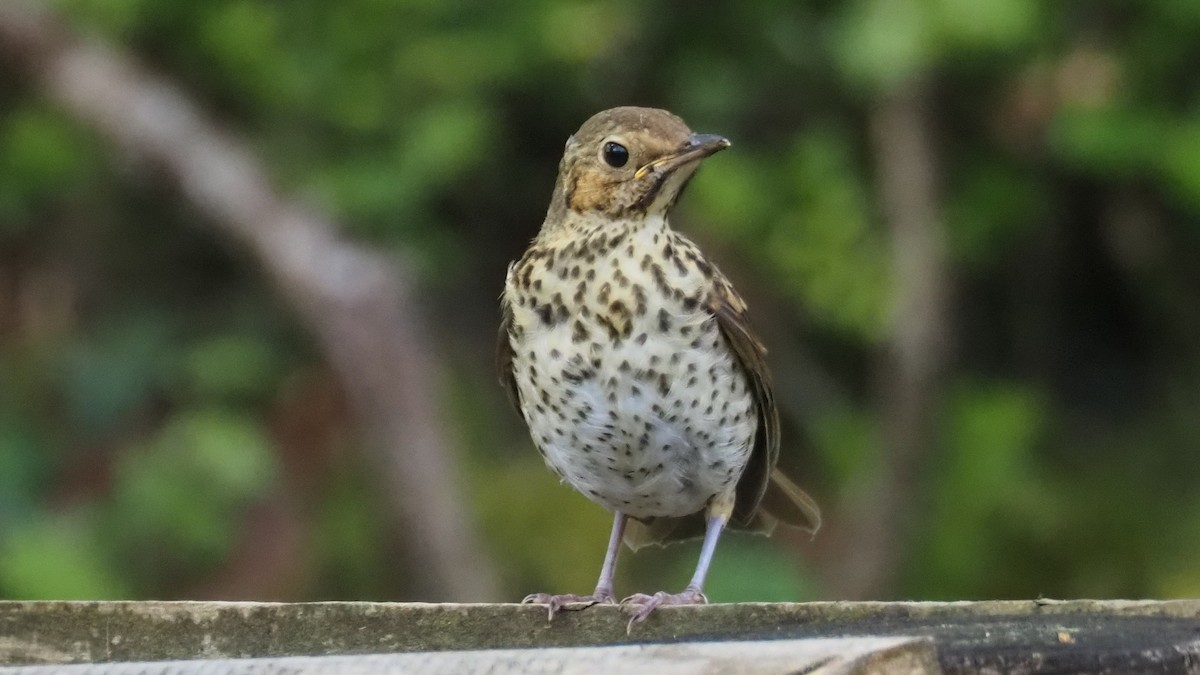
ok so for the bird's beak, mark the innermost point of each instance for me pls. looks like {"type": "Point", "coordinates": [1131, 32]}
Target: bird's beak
{"type": "Point", "coordinates": [697, 148]}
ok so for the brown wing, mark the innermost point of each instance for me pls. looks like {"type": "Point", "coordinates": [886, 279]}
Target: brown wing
{"type": "Point", "coordinates": [762, 485]}
{"type": "Point", "coordinates": [504, 355]}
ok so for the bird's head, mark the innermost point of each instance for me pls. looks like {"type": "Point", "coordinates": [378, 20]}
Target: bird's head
{"type": "Point", "coordinates": [629, 162]}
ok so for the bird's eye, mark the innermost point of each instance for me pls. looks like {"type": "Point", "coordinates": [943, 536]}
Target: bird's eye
{"type": "Point", "coordinates": [616, 155]}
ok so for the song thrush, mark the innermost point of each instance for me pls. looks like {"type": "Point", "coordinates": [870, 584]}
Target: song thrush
{"type": "Point", "coordinates": [630, 357]}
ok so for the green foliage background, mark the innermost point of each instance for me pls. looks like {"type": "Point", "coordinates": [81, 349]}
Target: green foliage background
{"type": "Point", "coordinates": [161, 410]}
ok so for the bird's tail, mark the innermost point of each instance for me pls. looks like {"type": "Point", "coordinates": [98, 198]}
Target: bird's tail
{"type": "Point", "coordinates": [784, 502]}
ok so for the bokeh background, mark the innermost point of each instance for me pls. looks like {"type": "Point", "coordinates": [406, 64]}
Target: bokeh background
{"type": "Point", "coordinates": [969, 232]}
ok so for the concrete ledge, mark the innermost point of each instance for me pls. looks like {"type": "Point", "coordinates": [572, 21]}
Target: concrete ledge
{"type": "Point", "coordinates": [1033, 636]}
{"type": "Point", "coordinates": [828, 656]}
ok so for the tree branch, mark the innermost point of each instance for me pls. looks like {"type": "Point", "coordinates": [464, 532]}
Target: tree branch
{"type": "Point", "coordinates": [872, 547]}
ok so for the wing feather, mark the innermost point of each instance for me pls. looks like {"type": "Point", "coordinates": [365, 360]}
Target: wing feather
{"type": "Point", "coordinates": [761, 485]}
{"type": "Point", "coordinates": [504, 355]}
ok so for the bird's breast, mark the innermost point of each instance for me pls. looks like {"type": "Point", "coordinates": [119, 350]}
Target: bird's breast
{"type": "Point", "coordinates": [629, 389]}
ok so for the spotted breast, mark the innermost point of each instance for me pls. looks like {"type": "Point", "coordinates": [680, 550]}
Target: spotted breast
{"type": "Point", "coordinates": [634, 398]}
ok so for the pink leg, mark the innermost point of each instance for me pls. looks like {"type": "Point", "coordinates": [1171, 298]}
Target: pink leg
{"type": "Point", "coordinates": [644, 604]}
{"type": "Point", "coordinates": [604, 586]}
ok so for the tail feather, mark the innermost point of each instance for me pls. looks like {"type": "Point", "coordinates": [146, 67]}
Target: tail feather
{"type": "Point", "coordinates": [663, 531]}
{"type": "Point", "coordinates": [784, 503]}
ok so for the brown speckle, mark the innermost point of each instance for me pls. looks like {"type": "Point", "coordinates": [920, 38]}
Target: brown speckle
{"type": "Point", "coordinates": [579, 332]}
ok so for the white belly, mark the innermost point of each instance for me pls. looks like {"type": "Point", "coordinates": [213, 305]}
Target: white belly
{"type": "Point", "coordinates": [648, 427]}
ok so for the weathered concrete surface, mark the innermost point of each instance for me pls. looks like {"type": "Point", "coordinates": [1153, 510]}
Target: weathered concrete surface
{"type": "Point", "coordinates": [1029, 636]}
{"type": "Point", "coordinates": [827, 656]}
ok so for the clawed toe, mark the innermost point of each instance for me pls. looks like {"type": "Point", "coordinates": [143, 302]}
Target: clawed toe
{"type": "Point", "coordinates": [569, 602]}
{"type": "Point", "coordinates": [644, 605]}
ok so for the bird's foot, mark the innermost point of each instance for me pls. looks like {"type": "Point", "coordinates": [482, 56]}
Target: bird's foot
{"type": "Point", "coordinates": [643, 605]}
{"type": "Point", "coordinates": [569, 602]}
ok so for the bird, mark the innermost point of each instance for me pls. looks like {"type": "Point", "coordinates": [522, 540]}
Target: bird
{"type": "Point", "coordinates": [632, 361]}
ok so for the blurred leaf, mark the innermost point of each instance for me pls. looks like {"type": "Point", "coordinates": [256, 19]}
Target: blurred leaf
{"type": "Point", "coordinates": [991, 435]}
{"type": "Point", "coordinates": [24, 468]}
{"type": "Point", "coordinates": [1180, 577]}
{"type": "Point", "coordinates": [116, 16]}
{"type": "Point", "coordinates": [850, 444]}
{"type": "Point", "coordinates": [992, 207]}
{"type": "Point", "coordinates": [749, 568]}
{"type": "Point", "coordinates": [117, 370]}
{"type": "Point", "coordinates": [444, 142]}
{"type": "Point", "coordinates": [732, 196]}
{"type": "Point", "coordinates": [350, 538]}
{"type": "Point", "coordinates": [825, 247]}
{"type": "Point", "coordinates": [243, 38]}
{"type": "Point", "coordinates": [384, 191]}
{"type": "Point", "coordinates": [1109, 141]}
{"type": "Point", "coordinates": [982, 483]}
{"type": "Point", "coordinates": [993, 24]}
{"type": "Point", "coordinates": [182, 494]}
{"type": "Point", "coordinates": [884, 42]}
{"type": "Point", "coordinates": [1181, 161]}
{"type": "Point", "coordinates": [44, 157]}
{"type": "Point", "coordinates": [711, 89]}
{"type": "Point", "coordinates": [57, 558]}
{"type": "Point", "coordinates": [580, 31]}
{"type": "Point", "coordinates": [460, 62]}
{"type": "Point", "coordinates": [236, 366]}
{"type": "Point", "coordinates": [549, 536]}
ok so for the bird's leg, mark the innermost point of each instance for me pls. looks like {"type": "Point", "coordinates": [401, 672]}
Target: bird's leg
{"type": "Point", "coordinates": [604, 586]}
{"type": "Point", "coordinates": [644, 604]}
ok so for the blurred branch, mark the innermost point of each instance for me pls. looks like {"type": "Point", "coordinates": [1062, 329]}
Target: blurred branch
{"type": "Point", "coordinates": [872, 547]}
{"type": "Point", "coordinates": [360, 303]}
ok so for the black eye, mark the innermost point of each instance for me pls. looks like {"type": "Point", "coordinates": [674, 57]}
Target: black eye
{"type": "Point", "coordinates": [615, 154]}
